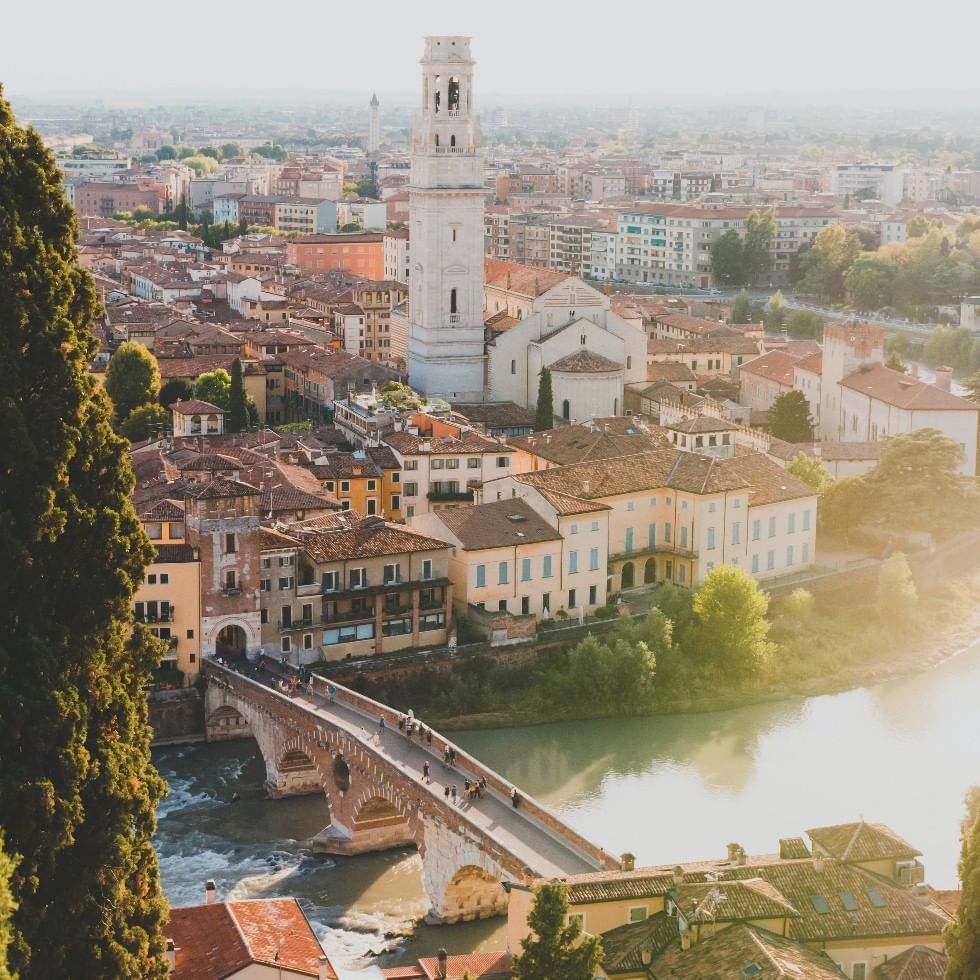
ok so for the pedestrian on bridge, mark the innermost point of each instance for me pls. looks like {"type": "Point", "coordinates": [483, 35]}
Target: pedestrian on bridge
{"type": "Point", "coordinates": [425, 771]}
{"type": "Point", "coordinates": [514, 797]}
{"type": "Point", "coordinates": [331, 691]}
{"type": "Point", "coordinates": [381, 725]}
{"type": "Point", "coordinates": [445, 792]}
{"type": "Point", "coordinates": [453, 793]}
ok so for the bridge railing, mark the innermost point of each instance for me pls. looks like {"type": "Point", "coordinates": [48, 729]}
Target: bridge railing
{"type": "Point", "coordinates": [375, 710]}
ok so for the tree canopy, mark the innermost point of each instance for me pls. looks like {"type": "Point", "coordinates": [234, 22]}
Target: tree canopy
{"type": "Point", "coordinates": [78, 792]}
{"type": "Point", "coordinates": [145, 421]}
{"type": "Point", "coordinates": [555, 948]}
{"type": "Point", "coordinates": [728, 259]}
{"type": "Point", "coordinates": [131, 379]}
{"type": "Point", "coordinates": [962, 935]}
{"type": "Point", "coordinates": [215, 387]}
{"type": "Point", "coordinates": [789, 417]}
{"type": "Point", "coordinates": [742, 308]}
{"type": "Point", "coordinates": [802, 324]}
{"type": "Point", "coordinates": [238, 414]}
{"type": "Point", "coordinates": [760, 230]}
{"type": "Point", "coordinates": [810, 470]}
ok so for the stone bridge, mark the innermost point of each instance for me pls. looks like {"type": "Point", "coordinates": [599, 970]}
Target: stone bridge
{"type": "Point", "coordinates": [377, 798]}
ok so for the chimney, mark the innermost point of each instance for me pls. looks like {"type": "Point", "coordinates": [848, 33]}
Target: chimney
{"type": "Point", "coordinates": [210, 895]}
{"type": "Point", "coordinates": [678, 875]}
{"type": "Point", "coordinates": [323, 965]}
{"type": "Point", "coordinates": [171, 955]}
{"type": "Point", "coordinates": [914, 371]}
{"type": "Point", "coordinates": [736, 854]}
{"type": "Point", "coordinates": [442, 957]}
{"type": "Point", "coordinates": [944, 375]}
{"type": "Point", "coordinates": [629, 861]}
{"type": "Point", "coordinates": [818, 864]}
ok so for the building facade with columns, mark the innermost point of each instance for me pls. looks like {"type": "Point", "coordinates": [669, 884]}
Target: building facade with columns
{"type": "Point", "coordinates": [446, 199]}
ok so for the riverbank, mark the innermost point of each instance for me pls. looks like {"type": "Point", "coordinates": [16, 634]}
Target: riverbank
{"type": "Point", "coordinates": [845, 645]}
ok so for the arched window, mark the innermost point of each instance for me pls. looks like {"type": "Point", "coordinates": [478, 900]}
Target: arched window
{"type": "Point", "coordinates": [437, 96]}
{"type": "Point", "coordinates": [437, 139]}
{"type": "Point", "coordinates": [615, 406]}
{"type": "Point", "coordinates": [452, 102]}
{"type": "Point", "coordinates": [566, 410]}
{"type": "Point", "coordinates": [452, 301]}
{"type": "Point", "coordinates": [452, 140]}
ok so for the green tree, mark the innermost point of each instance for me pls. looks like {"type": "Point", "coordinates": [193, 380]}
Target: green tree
{"type": "Point", "coordinates": [760, 230]}
{"type": "Point", "coordinates": [131, 379]}
{"type": "Point", "coordinates": [78, 791]}
{"type": "Point", "coordinates": [810, 470]}
{"type": "Point", "coordinates": [730, 629]}
{"type": "Point", "coordinates": [728, 259]}
{"type": "Point", "coordinates": [237, 399]}
{"type": "Point", "coordinates": [775, 313]}
{"type": "Point", "coordinates": [555, 948]}
{"type": "Point", "coordinates": [869, 282]}
{"type": "Point", "coordinates": [8, 905]}
{"type": "Point", "coordinates": [824, 264]}
{"type": "Point", "coordinates": [895, 362]}
{"type": "Point", "coordinates": [845, 504]}
{"type": "Point", "coordinates": [742, 308]}
{"type": "Point", "coordinates": [229, 150]}
{"type": "Point", "coordinates": [545, 415]}
{"type": "Point", "coordinates": [210, 151]}
{"type": "Point", "coordinates": [917, 469]}
{"type": "Point", "coordinates": [350, 227]}
{"type": "Point", "coordinates": [897, 594]}
{"type": "Point", "coordinates": [367, 188]}
{"type": "Point", "coordinates": [175, 390]}
{"type": "Point", "coordinates": [972, 385]}
{"type": "Point", "coordinates": [962, 936]}
{"type": "Point", "coordinates": [201, 165]}
{"type": "Point", "coordinates": [167, 153]}
{"type": "Point", "coordinates": [145, 421]}
{"type": "Point", "coordinates": [789, 417]}
{"type": "Point", "coordinates": [802, 324]}
{"type": "Point", "coordinates": [214, 387]}
{"type": "Point", "coordinates": [797, 610]}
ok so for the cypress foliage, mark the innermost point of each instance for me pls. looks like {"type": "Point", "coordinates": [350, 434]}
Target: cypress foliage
{"type": "Point", "coordinates": [962, 935]}
{"type": "Point", "coordinates": [238, 407]}
{"type": "Point", "coordinates": [78, 791]}
{"type": "Point", "coordinates": [545, 416]}
{"type": "Point", "coordinates": [131, 379]}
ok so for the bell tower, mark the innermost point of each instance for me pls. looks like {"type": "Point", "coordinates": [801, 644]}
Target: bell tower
{"type": "Point", "coordinates": [446, 197]}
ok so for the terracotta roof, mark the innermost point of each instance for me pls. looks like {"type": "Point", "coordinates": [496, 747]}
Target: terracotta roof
{"type": "Point", "coordinates": [700, 424]}
{"type": "Point", "coordinates": [694, 324]}
{"type": "Point", "coordinates": [173, 554]}
{"type": "Point", "coordinates": [568, 506]}
{"type": "Point", "coordinates": [902, 391]}
{"type": "Point", "coordinates": [579, 443]}
{"type": "Point", "coordinates": [916, 963]}
{"type": "Point", "coordinates": [493, 415]}
{"type": "Point", "coordinates": [288, 497]}
{"type": "Point", "coordinates": [270, 539]}
{"type": "Point", "coordinates": [164, 510]}
{"type": "Point", "coordinates": [812, 363]}
{"type": "Point", "coordinates": [670, 371]}
{"type": "Point", "coordinates": [768, 482]}
{"type": "Point", "coordinates": [194, 406]}
{"type": "Point", "coordinates": [480, 966]}
{"type": "Point", "coordinates": [518, 278]}
{"type": "Point", "coordinates": [499, 524]}
{"type": "Point", "coordinates": [468, 442]}
{"type": "Point", "coordinates": [585, 362]}
{"type": "Point", "coordinates": [776, 366]}
{"type": "Point", "coordinates": [216, 941]}
{"type": "Point", "coordinates": [209, 461]}
{"type": "Point", "coordinates": [744, 951]}
{"type": "Point", "coordinates": [862, 841]}
{"type": "Point", "coordinates": [802, 348]}
{"type": "Point", "coordinates": [622, 948]}
{"type": "Point", "coordinates": [947, 899]}
{"type": "Point", "coordinates": [214, 489]}
{"type": "Point", "coordinates": [372, 538]}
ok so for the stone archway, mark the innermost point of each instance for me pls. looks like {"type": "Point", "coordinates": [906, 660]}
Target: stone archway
{"type": "Point", "coordinates": [650, 571]}
{"type": "Point", "coordinates": [377, 825]}
{"type": "Point", "coordinates": [231, 642]}
{"type": "Point", "coordinates": [473, 893]}
{"type": "Point", "coordinates": [226, 722]}
{"type": "Point", "coordinates": [627, 576]}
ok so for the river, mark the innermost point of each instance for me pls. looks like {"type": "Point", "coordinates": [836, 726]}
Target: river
{"type": "Point", "coordinates": [669, 789]}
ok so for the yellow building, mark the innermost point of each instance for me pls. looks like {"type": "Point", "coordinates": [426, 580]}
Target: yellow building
{"type": "Point", "coordinates": [842, 907]}
{"type": "Point", "coordinates": [368, 481]}
{"type": "Point", "coordinates": [169, 600]}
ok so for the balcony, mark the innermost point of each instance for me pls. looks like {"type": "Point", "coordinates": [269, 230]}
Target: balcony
{"type": "Point", "coordinates": [910, 872]}
{"type": "Point", "coordinates": [454, 319]}
{"type": "Point", "coordinates": [311, 588]}
{"type": "Point", "coordinates": [432, 603]}
{"type": "Point", "coordinates": [295, 624]}
{"type": "Point", "coordinates": [231, 590]}
{"type": "Point", "coordinates": [172, 642]}
{"type": "Point", "coordinates": [450, 496]}
{"type": "Point", "coordinates": [348, 616]}
{"type": "Point", "coordinates": [393, 610]}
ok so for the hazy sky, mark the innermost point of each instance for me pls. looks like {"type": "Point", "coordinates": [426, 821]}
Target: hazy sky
{"type": "Point", "coordinates": [653, 49]}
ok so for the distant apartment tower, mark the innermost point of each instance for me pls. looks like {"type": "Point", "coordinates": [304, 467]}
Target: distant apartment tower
{"type": "Point", "coordinates": [446, 198]}
{"type": "Point", "coordinates": [374, 125]}
{"type": "Point", "coordinates": [884, 181]}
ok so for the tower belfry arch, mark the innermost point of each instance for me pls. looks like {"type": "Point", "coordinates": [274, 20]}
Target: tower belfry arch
{"type": "Point", "coordinates": [446, 198]}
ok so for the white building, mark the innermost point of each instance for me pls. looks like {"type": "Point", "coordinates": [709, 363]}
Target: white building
{"type": "Point", "coordinates": [397, 256]}
{"type": "Point", "coordinates": [102, 167]}
{"type": "Point", "coordinates": [884, 181]}
{"type": "Point", "coordinates": [446, 197]}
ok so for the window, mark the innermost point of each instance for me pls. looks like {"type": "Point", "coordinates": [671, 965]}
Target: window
{"type": "Point", "coordinates": [503, 570]}
{"type": "Point", "coordinates": [285, 645]}
{"type": "Point", "coordinates": [231, 579]}
{"type": "Point", "coordinates": [806, 520]}
{"type": "Point", "coordinates": [396, 502]}
{"type": "Point", "coordinates": [411, 464]}
{"type": "Point", "coordinates": [513, 367]}
{"type": "Point", "coordinates": [630, 506]}
{"type": "Point", "coordinates": [347, 634]}
{"type": "Point", "coordinates": [307, 641]}
{"type": "Point", "coordinates": [859, 971]}
{"type": "Point", "coordinates": [756, 530]}
{"type": "Point", "coordinates": [427, 568]}
{"type": "Point", "coordinates": [330, 581]}
{"type": "Point", "coordinates": [525, 569]}
{"type": "Point", "coordinates": [502, 605]}
{"type": "Point", "coordinates": [452, 464]}
{"type": "Point", "coordinates": [396, 477]}
{"type": "Point", "coordinates": [190, 634]}
{"type": "Point", "coordinates": [525, 605]}
{"type": "Point", "coordinates": [755, 564]}
{"type": "Point", "coordinates": [151, 579]}
{"type": "Point", "coordinates": [266, 562]}
{"type": "Point", "coordinates": [629, 539]}
{"type": "Point", "coordinates": [791, 523]}
{"type": "Point", "coordinates": [595, 525]}
{"type": "Point", "coordinates": [411, 489]}
{"type": "Point", "coordinates": [711, 538]}
{"type": "Point", "coordinates": [789, 555]}
{"type": "Point", "coordinates": [502, 461]}
{"type": "Point", "coordinates": [285, 561]}
{"type": "Point", "coordinates": [651, 535]}
{"type": "Point", "coordinates": [546, 602]}
{"type": "Point", "coordinates": [572, 562]}
{"type": "Point", "coordinates": [392, 574]}
{"type": "Point", "coordinates": [154, 530]}
{"type": "Point", "coordinates": [770, 561]}
{"type": "Point", "coordinates": [737, 533]}
{"type": "Point", "coordinates": [473, 463]}
{"type": "Point", "coordinates": [805, 552]}
{"type": "Point", "coordinates": [265, 585]}
{"type": "Point", "coordinates": [712, 507]}
{"type": "Point", "coordinates": [546, 567]}
{"type": "Point", "coordinates": [358, 578]}
{"type": "Point", "coordinates": [667, 531]}
{"type": "Point", "coordinates": [637, 913]}
{"type": "Point", "coordinates": [372, 506]}
{"type": "Point", "coordinates": [481, 576]}
{"type": "Point", "coordinates": [575, 529]}
{"type": "Point", "coordinates": [772, 527]}
{"type": "Point", "coordinates": [571, 599]}
{"type": "Point", "coordinates": [286, 582]}
{"type": "Point", "coordinates": [438, 464]}
{"type": "Point", "coordinates": [593, 559]}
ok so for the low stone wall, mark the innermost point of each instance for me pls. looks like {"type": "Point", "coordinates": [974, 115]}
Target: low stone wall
{"type": "Point", "coordinates": [501, 627]}
{"type": "Point", "coordinates": [177, 716]}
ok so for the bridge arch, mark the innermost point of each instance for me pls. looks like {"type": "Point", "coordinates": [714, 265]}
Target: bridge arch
{"type": "Point", "coordinates": [226, 721]}
{"type": "Point", "coordinates": [473, 893]}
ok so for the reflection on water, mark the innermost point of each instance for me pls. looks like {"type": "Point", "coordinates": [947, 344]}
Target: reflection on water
{"type": "Point", "coordinates": [674, 788]}
{"type": "Point", "coordinates": [681, 787]}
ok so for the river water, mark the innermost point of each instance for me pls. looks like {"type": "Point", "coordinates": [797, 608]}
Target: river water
{"type": "Point", "coordinates": [668, 789]}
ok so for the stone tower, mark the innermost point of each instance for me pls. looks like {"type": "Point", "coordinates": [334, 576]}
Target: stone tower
{"type": "Point", "coordinates": [446, 196]}
{"type": "Point", "coordinates": [374, 126]}
{"type": "Point", "coordinates": [846, 347]}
